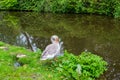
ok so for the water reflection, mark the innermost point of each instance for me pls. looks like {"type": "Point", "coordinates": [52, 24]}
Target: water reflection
{"type": "Point", "coordinates": [25, 40]}
{"type": "Point", "coordinates": [98, 34]}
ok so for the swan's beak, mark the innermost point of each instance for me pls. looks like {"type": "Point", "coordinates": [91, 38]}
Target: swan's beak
{"type": "Point", "coordinates": [57, 40]}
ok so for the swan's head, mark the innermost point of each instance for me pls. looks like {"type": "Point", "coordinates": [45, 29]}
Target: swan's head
{"type": "Point", "coordinates": [54, 39]}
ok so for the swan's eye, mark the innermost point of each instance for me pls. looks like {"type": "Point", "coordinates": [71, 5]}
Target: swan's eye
{"type": "Point", "coordinates": [53, 39]}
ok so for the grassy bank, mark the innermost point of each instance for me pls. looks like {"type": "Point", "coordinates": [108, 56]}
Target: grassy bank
{"type": "Point", "coordinates": [106, 7]}
{"type": "Point", "coordinates": [86, 66]}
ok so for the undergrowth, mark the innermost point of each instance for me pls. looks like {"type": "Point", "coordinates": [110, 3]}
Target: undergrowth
{"type": "Point", "coordinates": [86, 66]}
{"type": "Point", "coordinates": [104, 7]}
{"type": "Point", "coordinates": [91, 66]}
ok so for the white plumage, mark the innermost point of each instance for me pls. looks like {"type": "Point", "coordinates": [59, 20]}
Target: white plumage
{"type": "Point", "coordinates": [52, 50]}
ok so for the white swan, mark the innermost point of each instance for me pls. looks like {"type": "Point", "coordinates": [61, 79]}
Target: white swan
{"type": "Point", "coordinates": [53, 49]}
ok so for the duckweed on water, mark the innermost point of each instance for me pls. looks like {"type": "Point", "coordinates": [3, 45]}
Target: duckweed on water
{"type": "Point", "coordinates": [86, 66]}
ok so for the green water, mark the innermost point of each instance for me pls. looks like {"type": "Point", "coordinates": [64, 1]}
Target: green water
{"type": "Point", "coordinates": [98, 34]}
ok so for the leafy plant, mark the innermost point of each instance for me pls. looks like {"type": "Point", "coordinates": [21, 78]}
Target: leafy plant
{"type": "Point", "coordinates": [106, 7]}
{"type": "Point", "coordinates": [92, 66]}
{"type": "Point", "coordinates": [86, 66]}
{"type": "Point", "coordinates": [7, 4]}
{"type": "Point", "coordinates": [117, 9]}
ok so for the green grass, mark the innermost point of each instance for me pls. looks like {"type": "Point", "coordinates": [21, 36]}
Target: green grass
{"type": "Point", "coordinates": [64, 68]}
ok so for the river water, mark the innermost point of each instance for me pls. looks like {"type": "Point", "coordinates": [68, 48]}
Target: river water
{"type": "Point", "coordinates": [97, 34]}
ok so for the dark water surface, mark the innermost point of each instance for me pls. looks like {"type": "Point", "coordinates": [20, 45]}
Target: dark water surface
{"type": "Point", "coordinates": [98, 34]}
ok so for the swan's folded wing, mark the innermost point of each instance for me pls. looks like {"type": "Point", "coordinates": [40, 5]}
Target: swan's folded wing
{"type": "Point", "coordinates": [50, 50]}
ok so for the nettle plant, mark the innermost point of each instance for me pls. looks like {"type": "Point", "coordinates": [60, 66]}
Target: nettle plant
{"type": "Point", "coordinates": [86, 66]}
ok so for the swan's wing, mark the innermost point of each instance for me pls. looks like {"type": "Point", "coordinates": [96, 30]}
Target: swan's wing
{"type": "Point", "coordinates": [50, 50]}
{"type": "Point", "coordinates": [61, 44]}
{"type": "Point", "coordinates": [61, 52]}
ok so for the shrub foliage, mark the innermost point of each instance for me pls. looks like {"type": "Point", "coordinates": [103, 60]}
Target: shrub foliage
{"type": "Point", "coordinates": [91, 66]}
{"type": "Point", "coordinates": [86, 66]}
{"type": "Point", "coordinates": [107, 7]}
